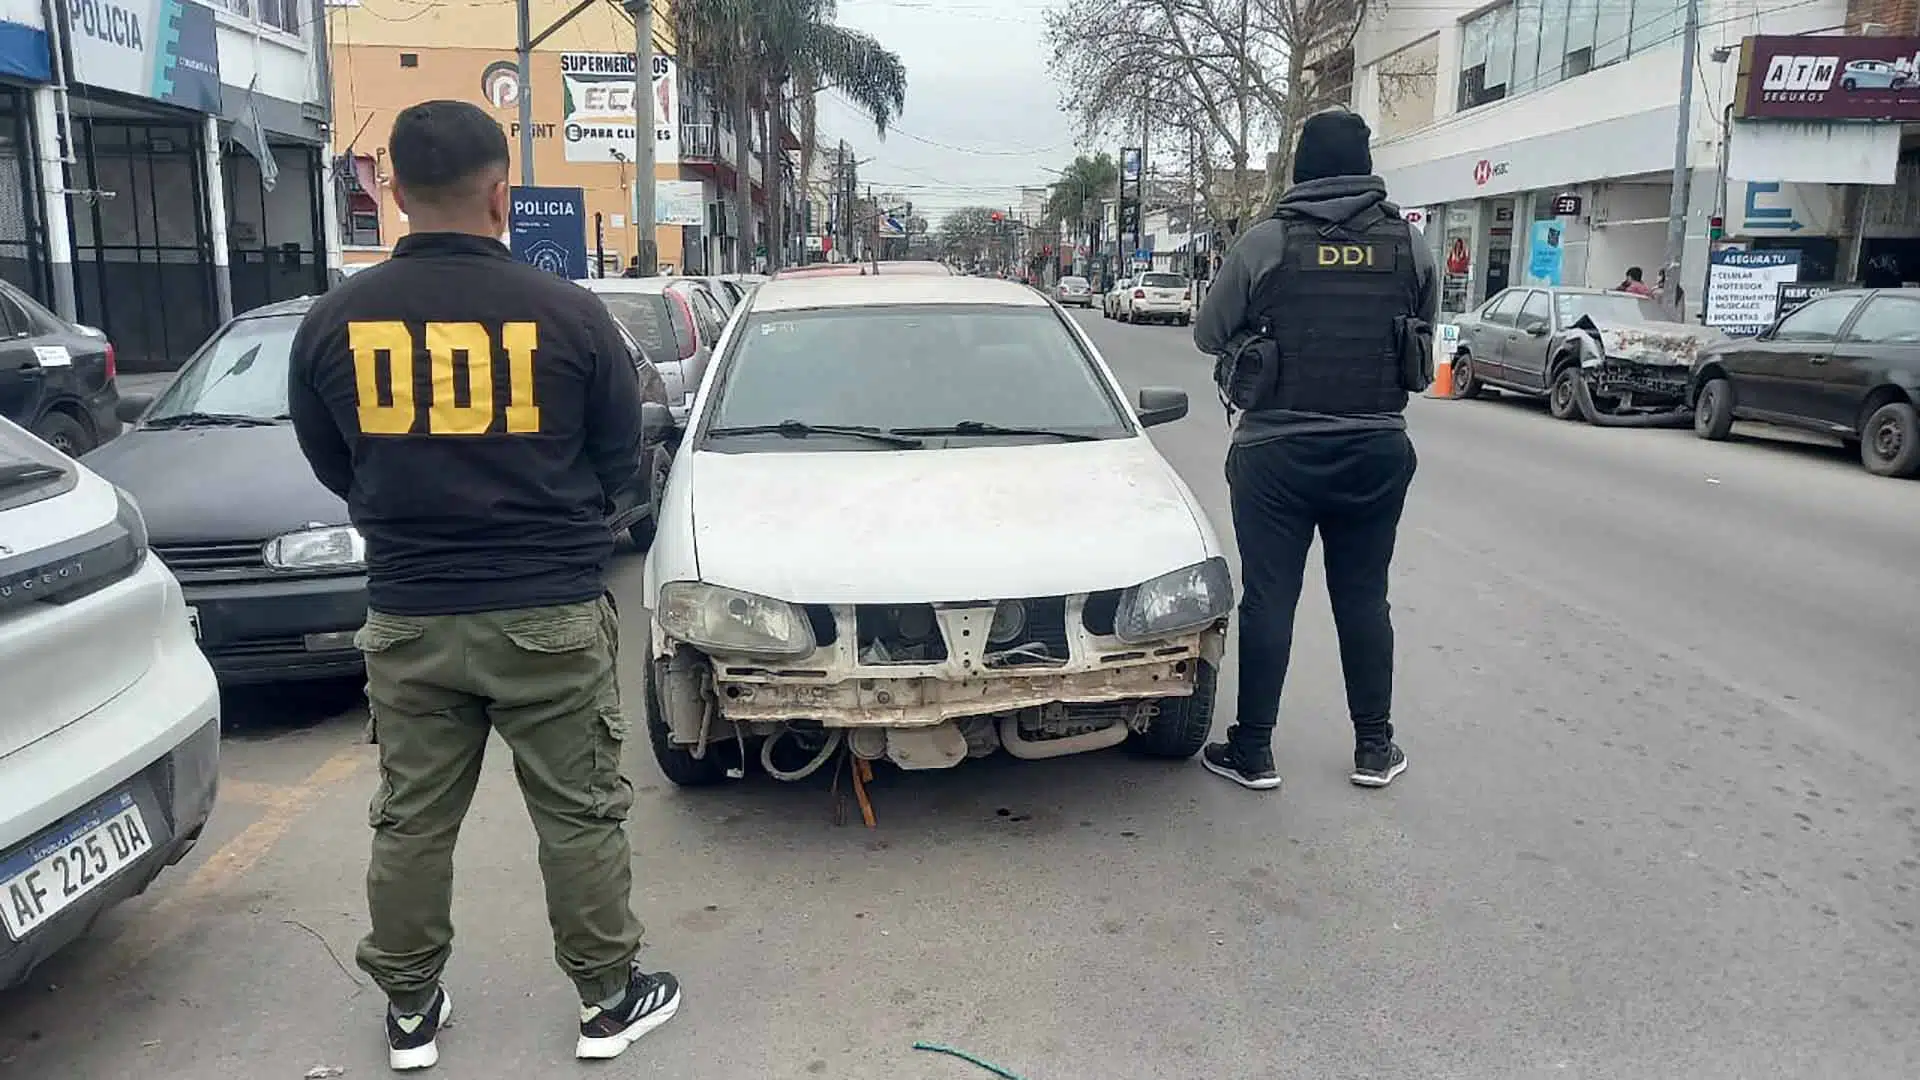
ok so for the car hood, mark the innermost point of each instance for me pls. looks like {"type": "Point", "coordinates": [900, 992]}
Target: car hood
{"type": "Point", "coordinates": [1660, 344]}
{"type": "Point", "coordinates": [975, 523]}
{"type": "Point", "coordinates": [204, 485]}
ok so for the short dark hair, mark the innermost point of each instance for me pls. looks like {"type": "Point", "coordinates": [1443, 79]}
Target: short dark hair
{"type": "Point", "coordinates": [1633, 273]}
{"type": "Point", "coordinates": [441, 148]}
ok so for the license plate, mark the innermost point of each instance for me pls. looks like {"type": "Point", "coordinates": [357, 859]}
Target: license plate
{"type": "Point", "coordinates": [51, 873]}
{"type": "Point", "coordinates": [193, 622]}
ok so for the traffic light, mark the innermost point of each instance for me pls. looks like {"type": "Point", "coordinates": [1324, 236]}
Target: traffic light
{"type": "Point", "coordinates": [1716, 227]}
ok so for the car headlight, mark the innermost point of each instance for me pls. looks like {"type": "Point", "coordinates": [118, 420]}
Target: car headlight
{"type": "Point", "coordinates": [339, 547]}
{"type": "Point", "coordinates": [130, 519]}
{"type": "Point", "coordinates": [1175, 603]}
{"type": "Point", "coordinates": [730, 621]}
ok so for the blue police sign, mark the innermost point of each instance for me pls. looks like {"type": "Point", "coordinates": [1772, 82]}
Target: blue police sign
{"type": "Point", "coordinates": [547, 228]}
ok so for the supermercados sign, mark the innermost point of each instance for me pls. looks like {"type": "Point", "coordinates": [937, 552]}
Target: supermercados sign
{"type": "Point", "coordinates": [600, 111]}
{"type": "Point", "coordinates": [159, 49]}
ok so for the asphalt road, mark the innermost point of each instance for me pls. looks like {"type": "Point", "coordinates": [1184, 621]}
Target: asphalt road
{"type": "Point", "coordinates": [1661, 821]}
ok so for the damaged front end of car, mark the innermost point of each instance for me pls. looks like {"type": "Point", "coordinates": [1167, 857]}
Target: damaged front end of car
{"type": "Point", "coordinates": [928, 685]}
{"type": "Point", "coordinates": [1636, 375]}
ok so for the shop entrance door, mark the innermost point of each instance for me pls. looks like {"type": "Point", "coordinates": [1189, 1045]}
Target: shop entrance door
{"type": "Point", "coordinates": [23, 235]}
{"type": "Point", "coordinates": [142, 264]}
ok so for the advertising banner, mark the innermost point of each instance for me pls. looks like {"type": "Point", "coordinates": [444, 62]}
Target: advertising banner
{"type": "Point", "coordinates": [1743, 289]}
{"type": "Point", "coordinates": [547, 228]}
{"type": "Point", "coordinates": [679, 202]}
{"type": "Point", "coordinates": [159, 49]}
{"type": "Point", "coordinates": [598, 114]}
{"type": "Point", "coordinates": [1544, 253]}
{"type": "Point", "coordinates": [1828, 77]}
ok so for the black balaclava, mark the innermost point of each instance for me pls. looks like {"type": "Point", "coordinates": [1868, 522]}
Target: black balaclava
{"type": "Point", "coordinates": [1333, 142]}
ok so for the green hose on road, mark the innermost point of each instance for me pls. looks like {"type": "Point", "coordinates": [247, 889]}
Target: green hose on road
{"type": "Point", "coordinates": [969, 1058]}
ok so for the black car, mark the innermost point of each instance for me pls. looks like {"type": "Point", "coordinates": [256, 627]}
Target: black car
{"type": "Point", "coordinates": [1846, 365]}
{"type": "Point", "coordinates": [56, 378]}
{"type": "Point", "coordinates": [274, 575]}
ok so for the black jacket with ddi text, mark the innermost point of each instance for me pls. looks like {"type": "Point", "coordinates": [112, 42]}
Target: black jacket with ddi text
{"type": "Point", "coordinates": [477, 415]}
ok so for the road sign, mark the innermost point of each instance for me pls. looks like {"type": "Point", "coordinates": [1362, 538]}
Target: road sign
{"type": "Point", "coordinates": [547, 228]}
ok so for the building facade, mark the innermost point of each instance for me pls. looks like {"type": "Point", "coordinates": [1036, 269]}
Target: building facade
{"type": "Point", "coordinates": [582, 125]}
{"type": "Point", "coordinates": [164, 165]}
{"type": "Point", "coordinates": [1534, 141]}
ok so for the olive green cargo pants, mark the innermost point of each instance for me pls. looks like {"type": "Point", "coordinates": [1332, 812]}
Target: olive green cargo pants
{"type": "Point", "coordinates": [544, 678]}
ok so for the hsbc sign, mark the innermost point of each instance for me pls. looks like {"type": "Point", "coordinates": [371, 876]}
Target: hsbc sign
{"type": "Point", "coordinates": [1484, 171]}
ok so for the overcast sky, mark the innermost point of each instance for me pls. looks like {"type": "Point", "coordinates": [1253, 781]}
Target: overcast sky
{"type": "Point", "coordinates": [983, 116]}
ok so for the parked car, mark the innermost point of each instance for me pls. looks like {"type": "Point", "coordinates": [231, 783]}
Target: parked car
{"type": "Point", "coordinates": [110, 739]}
{"type": "Point", "coordinates": [1846, 364]}
{"type": "Point", "coordinates": [890, 528]}
{"type": "Point", "coordinates": [56, 377]}
{"type": "Point", "coordinates": [1156, 296]}
{"type": "Point", "coordinates": [676, 322]}
{"type": "Point", "coordinates": [274, 574]}
{"type": "Point", "coordinates": [1110, 300]}
{"type": "Point", "coordinates": [1632, 353]}
{"type": "Point", "coordinates": [1073, 291]}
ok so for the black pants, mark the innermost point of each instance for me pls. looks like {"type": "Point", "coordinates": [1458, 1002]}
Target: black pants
{"type": "Point", "coordinates": [1351, 488]}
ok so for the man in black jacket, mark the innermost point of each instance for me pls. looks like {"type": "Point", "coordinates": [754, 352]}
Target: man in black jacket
{"type": "Point", "coordinates": [1342, 294]}
{"type": "Point", "coordinates": [477, 415]}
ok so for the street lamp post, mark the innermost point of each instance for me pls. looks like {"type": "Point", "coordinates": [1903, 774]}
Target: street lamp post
{"type": "Point", "coordinates": [644, 123]}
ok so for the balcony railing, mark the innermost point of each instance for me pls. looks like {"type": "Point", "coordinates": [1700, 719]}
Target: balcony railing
{"type": "Point", "coordinates": [709, 143]}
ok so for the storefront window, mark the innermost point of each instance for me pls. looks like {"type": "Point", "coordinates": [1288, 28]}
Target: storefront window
{"type": "Point", "coordinates": [1527, 45]}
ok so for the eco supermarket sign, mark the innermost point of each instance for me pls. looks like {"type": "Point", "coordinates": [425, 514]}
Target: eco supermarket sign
{"type": "Point", "coordinates": [599, 111]}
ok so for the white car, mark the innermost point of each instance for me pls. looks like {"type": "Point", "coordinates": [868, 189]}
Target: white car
{"type": "Point", "coordinates": [1155, 297]}
{"type": "Point", "coordinates": [110, 737]}
{"type": "Point", "coordinates": [917, 517]}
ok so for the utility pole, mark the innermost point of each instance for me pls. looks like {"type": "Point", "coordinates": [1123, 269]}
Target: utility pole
{"type": "Point", "coordinates": [644, 124]}
{"type": "Point", "coordinates": [1677, 204]}
{"type": "Point", "coordinates": [1140, 186]}
{"type": "Point", "coordinates": [873, 212]}
{"type": "Point", "coordinates": [524, 38]}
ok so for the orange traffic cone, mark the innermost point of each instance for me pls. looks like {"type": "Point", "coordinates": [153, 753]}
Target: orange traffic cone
{"type": "Point", "coordinates": [1442, 385]}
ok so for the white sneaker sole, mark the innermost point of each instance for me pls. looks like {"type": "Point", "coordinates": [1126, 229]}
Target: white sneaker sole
{"type": "Point", "coordinates": [1251, 785]}
{"type": "Point", "coordinates": [612, 1046]}
{"type": "Point", "coordinates": [1369, 780]}
{"type": "Point", "coordinates": [423, 1057]}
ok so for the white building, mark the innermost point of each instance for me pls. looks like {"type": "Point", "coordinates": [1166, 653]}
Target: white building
{"type": "Point", "coordinates": [136, 134]}
{"type": "Point", "coordinates": [1484, 117]}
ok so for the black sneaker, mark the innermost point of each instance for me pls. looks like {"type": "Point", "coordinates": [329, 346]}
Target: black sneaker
{"type": "Point", "coordinates": [1376, 766]}
{"type": "Point", "coordinates": [410, 1037]}
{"type": "Point", "coordinates": [1249, 769]}
{"type": "Point", "coordinates": [607, 1032]}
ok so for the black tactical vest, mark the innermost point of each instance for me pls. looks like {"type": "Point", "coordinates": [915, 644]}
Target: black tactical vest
{"type": "Point", "coordinates": [1335, 308]}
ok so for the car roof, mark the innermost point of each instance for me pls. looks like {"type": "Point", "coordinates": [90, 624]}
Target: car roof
{"type": "Point", "coordinates": [643, 285]}
{"type": "Point", "coordinates": [296, 306]}
{"type": "Point", "coordinates": [842, 291]}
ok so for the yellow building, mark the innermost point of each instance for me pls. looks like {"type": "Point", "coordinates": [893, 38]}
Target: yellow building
{"type": "Point", "coordinates": [407, 51]}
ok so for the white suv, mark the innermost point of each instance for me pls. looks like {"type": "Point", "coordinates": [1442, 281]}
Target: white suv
{"type": "Point", "coordinates": [110, 732]}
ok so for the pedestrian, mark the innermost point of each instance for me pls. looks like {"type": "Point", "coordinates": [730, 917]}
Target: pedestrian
{"type": "Point", "coordinates": [476, 414]}
{"type": "Point", "coordinates": [1633, 283]}
{"type": "Point", "coordinates": [1679, 294]}
{"type": "Point", "coordinates": [1321, 318]}
{"type": "Point", "coordinates": [633, 267]}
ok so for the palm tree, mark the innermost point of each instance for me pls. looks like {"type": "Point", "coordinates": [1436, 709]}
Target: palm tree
{"type": "Point", "coordinates": [1080, 187]}
{"type": "Point", "coordinates": [770, 46]}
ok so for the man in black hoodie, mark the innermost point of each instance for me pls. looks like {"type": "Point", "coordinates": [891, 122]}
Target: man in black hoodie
{"type": "Point", "coordinates": [1342, 292]}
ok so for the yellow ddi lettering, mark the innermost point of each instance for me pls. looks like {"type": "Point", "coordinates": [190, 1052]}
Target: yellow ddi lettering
{"type": "Point", "coordinates": [395, 411]}
{"type": "Point", "coordinates": [1344, 254]}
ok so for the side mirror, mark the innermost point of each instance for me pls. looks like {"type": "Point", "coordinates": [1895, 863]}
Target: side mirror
{"type": "Point", "coordinates": [132, 407]}
{"type": "Point", "coordinates": [656, 422]}
{"type": "Point", "coordinates": [1537, 330]}
{"type": "Point", "coordinates": [1161, 405]}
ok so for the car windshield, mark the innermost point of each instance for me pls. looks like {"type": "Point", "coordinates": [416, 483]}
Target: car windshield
{"type": "Point", "coordinates": [241, 372]}
{"type": "Point", "coordinates": [916, 367]}
{"type": "Point", "coordinates": [1072, 281]}
{"type": "Point", "coordinates": [1163, 281]}
{"type": "Point", "coordinates": [1606, 308]}
{"type": "Point", "coordinates": [645, 317]}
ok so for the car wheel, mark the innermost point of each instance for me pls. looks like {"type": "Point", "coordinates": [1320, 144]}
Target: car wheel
{"type": "Point", "coordinates": [1890, 441]}
{"type": "Point", "coordinates": [676, 761]}
{"type": "Point", "coordinates": [63, 433]}
{"type": "Point", "coordinates": [1560, 400]}
{"type": "Point", "coordinates": [642, 532]}
{"type": "Point", "coordinates": [1848, 84]}
{"type": "Point", "coordinates": [1182, 725]}
{"type": "Point", "coordinates": [1713, 410]}
{"type": "Point", "coordinates": [1465, 385]}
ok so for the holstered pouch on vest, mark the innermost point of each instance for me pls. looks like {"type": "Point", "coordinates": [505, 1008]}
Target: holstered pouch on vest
{"type": "Point", "coordinates": [1414, 338]}
{"type": "Point", "coordinates": [1247, 371]}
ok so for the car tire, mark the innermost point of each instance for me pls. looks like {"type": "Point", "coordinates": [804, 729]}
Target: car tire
{"type": "Point", "coordinates": [1465, 386]}
{"type": "Point", "coordinates": [1713, 410]}
{"type": "Point", "coordinates": [63, 433]}
{"type": "Point", "coordinates": [1560, 400]}
{"type": "Point", "coordinates": [1182, 725]}
{"type": "Point", "coordinates": [1890, 441]}
{"type": "Point", "coordinates": [643, 531]}
{"type": "Point", "coordinates": [676, 762]}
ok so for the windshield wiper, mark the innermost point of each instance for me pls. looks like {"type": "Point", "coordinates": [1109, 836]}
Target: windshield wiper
{"type": "Point", "coordinates": [981, 427]}
{"type": "Point", "coordinates": [800, 429]}
{"type": "Point", "coordinates": [201, 419]}
{"type": "Point", "coordinates": [27, 474]}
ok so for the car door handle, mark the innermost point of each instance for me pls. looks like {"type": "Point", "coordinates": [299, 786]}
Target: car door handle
{"type": "Point", "coordinates": [1816, 359]}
